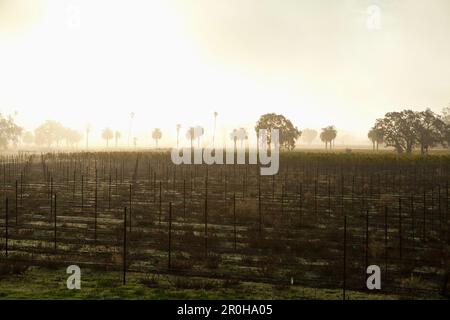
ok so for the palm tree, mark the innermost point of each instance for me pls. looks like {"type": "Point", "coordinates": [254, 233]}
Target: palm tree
{"type": "Point", "coordinates": [156, 135]}
{"type": "Point", "coordinates": [328, 135]}
{"type": "Point", "coordinates": [107, 134]}
{"type": "Point", "coordinates": [333, 134]}
{"type": "Point", "coordinates": [242, 135]}
{"type": "Point", "coordinates": [117, 136]}
{"type": "Point", "coordinates": [199, 132]}
{"type": "Point", "coordinates": [234, 137]}
{"type": "Point", "coordinates": [376, 136]}
{"type": "Point", "coordinates": [178, 135]}
{"type": "Point", "coordinates": [214, 132]}
{"type": "Point", "coordinates": [190, 134]}
{"type": "Point", "coordinates": [87, 129]}
{"type": "Point", "coordinates": [132, 114]}
{"type": "Point", "coordinates": [195, 133]}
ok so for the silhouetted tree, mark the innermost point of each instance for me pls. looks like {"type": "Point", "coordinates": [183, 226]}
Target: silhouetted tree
{"type": "Point", "coordinates": [328, 135]}
{"type": "Point", "coordinates": [234, 137]}
{"type": "Point", "coordinates": [446, 115]}
{"type": "Point", "coordinates": [288, 133]}
{"type": "Point", "coordinates": [399, 130]}
{"type": "Point", "coordinates": [117, 136]}
{"type": "Point", "coordinates": [190, 135]}
{"type": "Point", "coordinates": [199, 132]}
{"type": "Point", "coordinates": [405, 129]}
{"type": "Point", "coordinates": [376, 136]}
{"type": "Point", "coordinates": [242, 135]}
{"type": "Point", "coordinates": [156, 135]}
{"type": "Point", "coordinates": [214, 132]}
{"type": "Point", "coordinates": [308, 135]}
{"type": "Point", "coordinates": [72, 137]}
{"type": "Point", "coordinates": [9, 131]}
{"type": "Point", "coordinates": [107, 134]}
{"type": "Point", "coordinates": [446, 119]}
{"type": "Point", "coordinates": [446, 135]}
{"type": "Point", "coordinates": [430, 129]}
{"type": "Point", "coordinates": [87, 130]}
{"type": "Point", "coordinates": [178, 135]}
{"type": "Point", "coordinates": [48, 133]}
{"type": "Point", "coordinates": [195, 133]}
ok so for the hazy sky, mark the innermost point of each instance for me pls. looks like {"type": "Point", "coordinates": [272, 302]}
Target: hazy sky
{"type": "Point", "coordinates": [318, 62]}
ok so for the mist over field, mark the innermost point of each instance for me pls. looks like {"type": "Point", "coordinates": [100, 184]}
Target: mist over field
{"type": "Point", "coordinates": [224, 149]}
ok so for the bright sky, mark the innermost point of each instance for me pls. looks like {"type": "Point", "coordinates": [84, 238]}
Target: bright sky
{"type": "Point", "coordinates": [318, 62]}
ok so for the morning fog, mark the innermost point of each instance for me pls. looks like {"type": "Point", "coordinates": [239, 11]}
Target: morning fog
{"type": "Point", "coordinates": [267, 154]}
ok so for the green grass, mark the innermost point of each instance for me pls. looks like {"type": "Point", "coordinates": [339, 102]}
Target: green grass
{"type": "Point", "coordinates": [38, 283]}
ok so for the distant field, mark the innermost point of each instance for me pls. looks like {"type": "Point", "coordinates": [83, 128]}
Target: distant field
{"type": "Point", "coordinates": [224, 224]}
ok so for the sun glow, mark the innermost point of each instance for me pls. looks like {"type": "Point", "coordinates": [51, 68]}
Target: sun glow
{"type": "Point", "coordinates": [121, 60]}
{"type": "Point", "coordinates": [172, 62]}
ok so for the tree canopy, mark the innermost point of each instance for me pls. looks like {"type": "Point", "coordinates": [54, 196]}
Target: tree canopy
{"type": "Point", "coordinates": [328, 135]}
{"type": "Point", "coordinates": [407, 129]}
{"type": "Point", "coordinates": [52, 132]}
{"type": "Point", "coordinates": [9, 131]}
{"type": "Point", "coordinates": [288, 133]}
{"type": "Point", "coordinates": [309, 135]}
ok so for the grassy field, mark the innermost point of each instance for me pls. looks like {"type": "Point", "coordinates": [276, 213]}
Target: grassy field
{"type": "Point", "coordinates": [39, 283]}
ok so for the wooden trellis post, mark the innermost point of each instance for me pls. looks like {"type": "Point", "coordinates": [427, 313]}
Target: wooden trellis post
{"type": "Point", "coordinates": [124, 253]}
{"type": "Point", "coordinates": [54, 223]}
{"type": "Point", "coordinates": [184, 198]}
{"type": "Point", "coordinates": [386, 240]}
{"type": "Point", "coordinates": [95, 206]}
{"type": "Point", "coordinates": [6, 226]}
{"type": "Point", "coordinates": [259, 207]}
{"type": "Point", "coordinates": [234, 221]}
{"type": "Point", "coordinates": [16, 204]}
{"type": "Point", "coordinates": [160, 201]}
{"type": "Point", "coordinates": [344, 283]}
{"type": "Point", "coordinates": [400, 226]}
{"type": "Point", "coordinates": [82, 193]}
{"type": "Point", "coordinates": [169, 264]}
{"type": "Point", "coordinates": [413, 221]}
{"type": "Point", "coordinates": [131, 205]}
{"type": "Point", "coordinates": [51, 198]}
{"type": "Point", "coordinates": [206, 217]}
{"type": "Point", "coordinates": [424, 214]}
{"type": "Point", "coordinates": [315, 198]}
{"type": "Point", "coordinates": [367, 240]}
{"type": "Point", "coordinates": [74, 183]}
{"type": "Point", "coordinates": [109, 192]}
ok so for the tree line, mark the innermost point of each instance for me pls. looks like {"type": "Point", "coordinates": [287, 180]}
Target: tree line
{"type": "Point", "coordinates": [406, 130]}
{"type": "Point", "coordinates": [403, 130]}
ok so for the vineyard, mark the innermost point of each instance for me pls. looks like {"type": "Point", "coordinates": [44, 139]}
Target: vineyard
{"type": "Point", "coordinates": [319, 222]}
